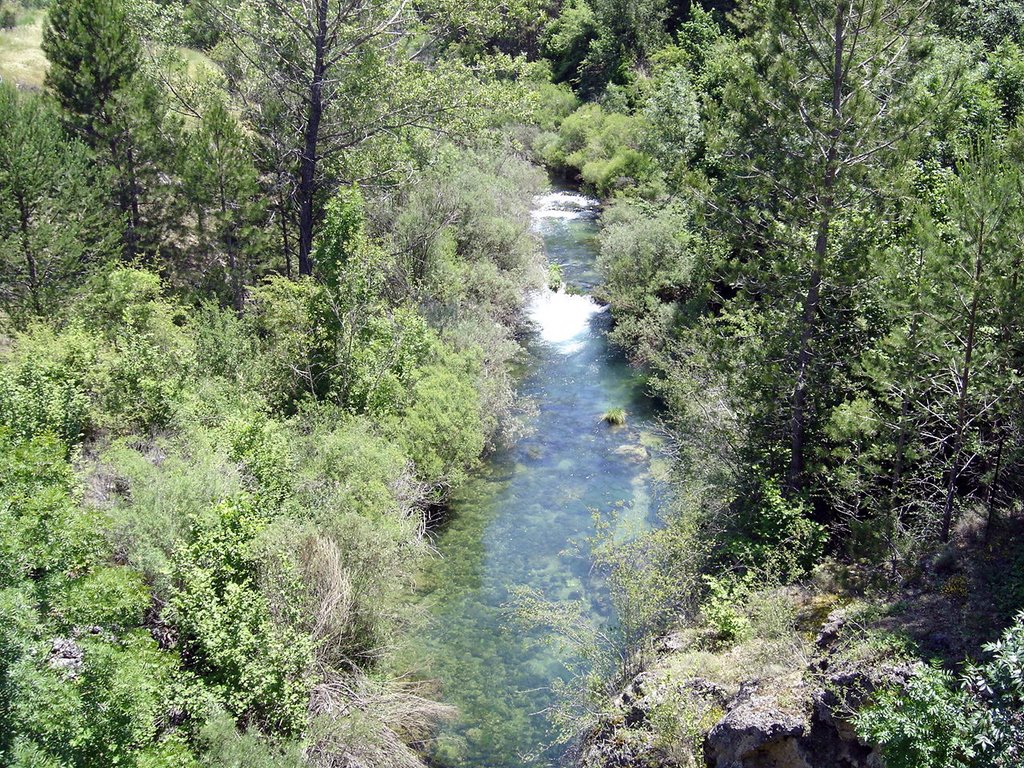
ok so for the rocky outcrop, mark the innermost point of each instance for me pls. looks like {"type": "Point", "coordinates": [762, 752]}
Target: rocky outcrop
{"type": "Point", "coordinates": [757, 732]}
{"type": "Point", "coordinates": [624, 740]}
{"type": "Point", "coordinates": [795, 720]}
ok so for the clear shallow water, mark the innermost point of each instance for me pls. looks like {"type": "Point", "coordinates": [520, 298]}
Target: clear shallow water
{"type": "Point", "coordinates": [526, 517]}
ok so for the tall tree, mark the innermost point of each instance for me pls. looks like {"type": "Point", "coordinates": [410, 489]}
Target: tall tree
{"type": "Point", "coordinates": [984, 211]}
{"type": "Point", "coordinates": [53, 226]}
{"type": "Point", "coordinates": [94, 72]}
{"type": "Point", "coordinates": [322, 78]}
{"type": "Point", "coordinates": [827, 98]}
{"type": "Point", "coordinates": [222, 186]}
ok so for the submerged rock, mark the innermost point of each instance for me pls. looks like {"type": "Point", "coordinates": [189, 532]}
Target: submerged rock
{"type": "Point", "coordinates": [635, 453]}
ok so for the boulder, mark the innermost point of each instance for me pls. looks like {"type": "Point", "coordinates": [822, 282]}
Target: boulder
{"type": "Point", "coordinates": [756, 731]}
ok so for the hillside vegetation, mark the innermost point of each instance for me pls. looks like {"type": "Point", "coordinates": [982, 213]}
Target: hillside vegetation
{"type": "Point", "coordinates": [262, 276]}
{"type": "Point", "coordinates": [812, 240]}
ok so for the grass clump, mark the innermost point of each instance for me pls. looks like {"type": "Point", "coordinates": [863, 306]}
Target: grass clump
{"type": "Point", "coordinates": [614, 417]}
{"type": "Point", "coordinates": [555, 276]}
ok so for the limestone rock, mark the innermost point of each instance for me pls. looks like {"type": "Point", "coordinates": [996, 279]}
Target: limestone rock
{"type": "Point", "coordinates": [756, 731]}
{"type": "Point", "coordinates": [66, 655]}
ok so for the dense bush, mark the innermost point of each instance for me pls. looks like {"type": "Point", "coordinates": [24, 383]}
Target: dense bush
{"type": "Point", "coordinates": [604, 147]}
{"type": "Point", "coordinates": [250, 506]}
{"type": "Point", "coordinates": [937, 720]}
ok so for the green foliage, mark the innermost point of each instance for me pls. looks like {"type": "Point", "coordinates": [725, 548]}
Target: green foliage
{"type": "Point", "coordinates": [157, 488]}
{"type": "Point", "coordinates": [108, 596]}
{"type": "Point", "coordinates": [93, 57]}
{"type": "Point", "coordinates": [80, 685]}
{"type": "Point", "coordinates": [935, 721]}
{"type": "Point", "coordinates": [722, 612]}
{"type": "Point", "coordinates": [251, 455]}
{"type": "Point", "coordinates": [348, 348]}
{"type": "Point", "coordinates": [645, 255]}
{"type": "Point", "coordinates": [927, 724]}
{"type": "Point", "coordinates": [442, 429]}
{"type": "Point", "coordinates": [554, 277]}
{"type": "Point", "coordinates": [672, 131]}
{"type": "Point", "coordinates": [47, 392]}
{"type": "Point", "coordinates": [257, 663]}
{"type": "Point", "coordinates": [998, 686]}
{"type": "Point", "coordinates": [51, 209]}
{"type": "Point", "coordinates": [226, 747]}
{"type": "Point", "coordinates": [567, 39]}
{"type": "Point", "coordinates": [614, 417]}
{"type": "Point", "coordinates": [221, 181]}
{"type": "Point", "coordinates": [603, 146]}
{"type": "Point", "coordinates": [1007, 75]}
{"type": "Point", "coordinates": [598, 43]}
{"type": "Point", "coordinates": [777, 536]}
{"type": "Point", "coordinates": [144, 358]}
{"type": "Point", "coordinates": [106, 713]}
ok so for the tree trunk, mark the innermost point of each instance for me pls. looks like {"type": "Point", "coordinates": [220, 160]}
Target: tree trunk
{"type": "Point", "coordinates": [127, 195]}
{"type": "Point", "coordinates": [30, 258]}
{"type": "Point", "coordinates": [965, 380]}
{"type": "Point", "coordinates": [907, 375]}
{"type": "Point", "coordinates": [307, 187]}
{"type": "Point", "coordinates": [1006, 338]}
{"type": "Point", "coordinates": [134, 218]}
{"type": "Point", "coordinates": [798, 420]}
{"type": "Point", "coordinates": [285, 245]}
{"type": "Point", "coordinates": [993, 490]}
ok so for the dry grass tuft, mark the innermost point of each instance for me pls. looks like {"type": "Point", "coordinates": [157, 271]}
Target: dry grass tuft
{"type": "Point", "coordinates": [330, 591]}
{"type": "Point", "coordinates": [358, 721]}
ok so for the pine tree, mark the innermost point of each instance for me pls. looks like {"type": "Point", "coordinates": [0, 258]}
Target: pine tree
{"type": "Point", "coordinates": [95, 75]}
{"type": "Point", "coordinates": [93, 58]}
{"type": "Point", "coordinates": [829, 96]}
{"type": "Point", "coordinates": [222, 185]}
{"type": "Point", "coordinates": [53, 224]}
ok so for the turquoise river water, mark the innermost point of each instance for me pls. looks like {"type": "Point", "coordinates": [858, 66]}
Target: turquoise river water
{"type": "Point", "coordinates": [526, 517]}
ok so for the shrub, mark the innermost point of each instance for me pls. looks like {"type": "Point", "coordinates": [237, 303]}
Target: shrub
{"type": "Point", "coordinates": [224, 746]}
{"type": "Point", "coordinates": [145, 357]}
{"type": "Point", "coordinates": [48, 536]}
{"type": "Point", "coordinates": [934, 721]}
{"type": "Point", "coordinates": [722, 610]}
{"type": "Point", "coordinates": [43, 385]}
{"type": "Point", "coordinates": [441, 430]}
{"type": "Point", "coordinates": [158, 487]}
{"type": "Point", "coordinates": [106, 713]}
{"type": "Point", "coordinates": [604, 147]}
{"type": "Point", "coordinates": [109, 596]}
{"type": "Point", "coordinates": [776, 536]}
{"type": "Point", "coordinates": [926, 724]}
{"type": "Point", "coordinates": [257, 664]}
{"type": "Point", "coordinates": [644, 254]}
{"type": "Point", "coordinates": [347, 347]}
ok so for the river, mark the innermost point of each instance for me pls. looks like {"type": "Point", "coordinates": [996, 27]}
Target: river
{"type": "Point", "coordinates": [526, 517]}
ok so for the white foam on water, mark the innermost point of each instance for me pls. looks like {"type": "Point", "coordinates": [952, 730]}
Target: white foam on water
{"type": "Point", "coordinates": [563, 205]}
{"type": "Point", "coordinates": [563, 319]}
